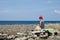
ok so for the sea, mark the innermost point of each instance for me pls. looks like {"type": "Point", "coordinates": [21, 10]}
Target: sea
{"type": "Point", "coordinates": [25, 22]}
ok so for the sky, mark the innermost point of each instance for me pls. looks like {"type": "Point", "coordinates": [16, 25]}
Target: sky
{"type": "Point", "coordinates": [29, 10]}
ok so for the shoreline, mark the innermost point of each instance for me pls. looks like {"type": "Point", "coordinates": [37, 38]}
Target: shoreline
{"type": "Point", "coordinates": [13, 29]}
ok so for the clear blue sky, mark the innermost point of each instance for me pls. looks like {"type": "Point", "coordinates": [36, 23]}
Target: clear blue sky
{"type": "Point", "coordinates": [29, 10]}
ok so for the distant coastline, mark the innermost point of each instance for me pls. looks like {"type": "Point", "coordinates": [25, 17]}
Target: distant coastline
{"type": "Point", "coordinates": [25, 22]}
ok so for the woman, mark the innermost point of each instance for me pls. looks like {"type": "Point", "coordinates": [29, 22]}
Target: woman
{"type": "Point", "coordinates": [41, 22]}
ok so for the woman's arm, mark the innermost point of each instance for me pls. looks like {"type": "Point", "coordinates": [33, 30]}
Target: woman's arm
{"type": "Point", "coordinates": [40, 24]}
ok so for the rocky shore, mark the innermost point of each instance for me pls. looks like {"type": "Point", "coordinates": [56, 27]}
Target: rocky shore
{"type": "Point", "coordinates": [12, 30]}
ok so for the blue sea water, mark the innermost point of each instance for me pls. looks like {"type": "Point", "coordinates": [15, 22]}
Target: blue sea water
{"type": "Point", "coordinates": [26, 22]}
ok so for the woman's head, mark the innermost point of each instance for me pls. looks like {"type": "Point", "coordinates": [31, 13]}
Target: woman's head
{"type": "Point", "coordinates": [40, 17]}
